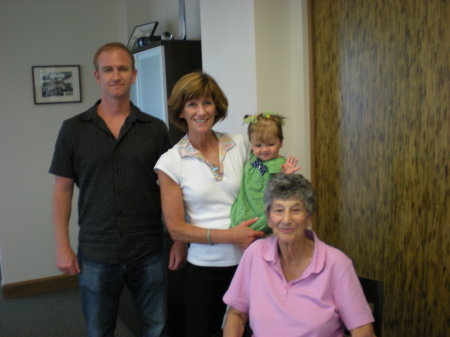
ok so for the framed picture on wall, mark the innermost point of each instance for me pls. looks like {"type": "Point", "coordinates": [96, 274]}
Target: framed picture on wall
{"type": "Point", "coordinates": [56, 84]}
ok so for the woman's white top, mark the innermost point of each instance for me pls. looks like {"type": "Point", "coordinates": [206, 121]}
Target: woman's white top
{"type": "Point", "coordinates": [207, 195]}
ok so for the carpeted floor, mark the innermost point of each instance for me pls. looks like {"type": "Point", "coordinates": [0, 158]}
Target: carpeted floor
{"type": "Point", "coordinates": [56, 314]}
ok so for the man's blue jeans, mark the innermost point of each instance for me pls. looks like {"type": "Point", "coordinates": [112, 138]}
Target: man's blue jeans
{"type": "Point", "coordinates": [101, 286]}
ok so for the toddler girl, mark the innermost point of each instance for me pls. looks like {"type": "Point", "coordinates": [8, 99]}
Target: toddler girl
{"type": "Point", "coordinates": [266, 138]}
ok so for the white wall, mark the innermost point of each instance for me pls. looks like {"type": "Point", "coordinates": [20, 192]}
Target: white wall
{"type": "Point", "coordinates": [258, 52]}
{"type": "Point", "coordinates": [228, 54]}
{"type": "Point", "coordinates": [235, 50]}
{"type": "Point", "coordinates": [283, 72]}
{"type": "Point", "coordinates": [166, 13]}
{"type": "Point", "coordinates": [48, 32]}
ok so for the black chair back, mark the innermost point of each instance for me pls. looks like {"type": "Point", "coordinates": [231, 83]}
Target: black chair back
{"type": "Point", "coordinates": [373, 290]}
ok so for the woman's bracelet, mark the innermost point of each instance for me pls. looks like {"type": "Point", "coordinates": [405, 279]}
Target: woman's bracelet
{"type": "Point", "coordinates": [208, 236]}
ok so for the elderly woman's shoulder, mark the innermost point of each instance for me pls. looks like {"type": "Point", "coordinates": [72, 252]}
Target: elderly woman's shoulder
{"type": "Point", "coordinates": [261, 245]}
{"type": "Point", "coordinates": [337, 256]}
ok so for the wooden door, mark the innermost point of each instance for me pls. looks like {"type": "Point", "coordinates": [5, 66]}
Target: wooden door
{"type": "Point", "coordinates": [381, 99]}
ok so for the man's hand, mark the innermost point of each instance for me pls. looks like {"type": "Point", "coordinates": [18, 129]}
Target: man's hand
{"type": "Point", "coordinates": [67, 262]}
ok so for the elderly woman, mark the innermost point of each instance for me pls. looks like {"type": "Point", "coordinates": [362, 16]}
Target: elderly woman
{"type": "Point", "coordinates": [293, 284]}
{"type": "Point", "coordinates": [199, 180]}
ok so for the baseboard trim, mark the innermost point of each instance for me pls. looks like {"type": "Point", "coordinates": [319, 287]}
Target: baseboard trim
{"type": "Point", "coordinates": [39, 286]}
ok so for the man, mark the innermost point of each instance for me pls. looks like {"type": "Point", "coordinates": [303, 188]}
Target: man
{"type": "Point", "coordinates": [109, 152]}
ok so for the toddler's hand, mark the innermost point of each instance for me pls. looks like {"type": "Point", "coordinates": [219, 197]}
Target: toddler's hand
{"type": "Point", "coordinates": [289, 166]}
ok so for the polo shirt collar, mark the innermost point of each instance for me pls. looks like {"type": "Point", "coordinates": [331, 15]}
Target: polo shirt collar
{"type": "Point", "coordinates": [318, 260]}
{"type": "Point", "coordinates": [186, 149]}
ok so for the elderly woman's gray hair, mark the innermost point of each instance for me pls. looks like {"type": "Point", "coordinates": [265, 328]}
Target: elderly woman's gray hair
{"type": "Point", "coordinates": [286, 186]}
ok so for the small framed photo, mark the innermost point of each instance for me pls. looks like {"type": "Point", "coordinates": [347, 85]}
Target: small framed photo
{"type": "Point", "coordinates": [56, 84]}
{"type": "Point", "coordinates": [142, 35]}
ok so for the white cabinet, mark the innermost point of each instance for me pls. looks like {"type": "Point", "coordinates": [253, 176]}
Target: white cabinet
{"type": "Point", "coordinates": [149, 92]}
{"type": "Point", "coordinates": [159, 66]}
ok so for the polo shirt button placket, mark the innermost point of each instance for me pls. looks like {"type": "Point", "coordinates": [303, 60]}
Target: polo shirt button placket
{"type": "Point", "coordinates": [284, 294]}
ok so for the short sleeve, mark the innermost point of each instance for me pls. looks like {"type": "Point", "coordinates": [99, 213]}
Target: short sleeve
{"type": "Point", "coordinates": [170, 164]}
{"type": "Point", "coordinates": [350, 300]}
{"type": "Point", "coordinates": [238, 294]}
{"type": "Point", "coordinates": [164, 143]}
{"type": "Point", "coordinates": [62, 163]}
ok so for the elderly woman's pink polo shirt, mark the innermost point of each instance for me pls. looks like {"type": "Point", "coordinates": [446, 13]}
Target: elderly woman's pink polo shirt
{"type": "Point", "coordinates": [326, 297]}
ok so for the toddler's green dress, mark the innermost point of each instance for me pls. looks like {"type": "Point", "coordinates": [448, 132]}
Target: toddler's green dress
{"type": "Point", "coordinates": [249, 202]}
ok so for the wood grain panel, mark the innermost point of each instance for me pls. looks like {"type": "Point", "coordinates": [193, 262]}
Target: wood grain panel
{"type": "Point", "coordinates": [326, 98]}
{"type": "Point", "coordinates": [381, 101]}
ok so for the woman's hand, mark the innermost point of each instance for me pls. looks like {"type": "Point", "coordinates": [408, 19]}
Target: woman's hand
{"type": "Point", "coordinates": [177, 256]}
{"type": "Point", "coordinates": [174, 216]}
{"type": "Point", "coordinates": [244, 235]}
{"type": "Point", "coordinates": [289, 166]}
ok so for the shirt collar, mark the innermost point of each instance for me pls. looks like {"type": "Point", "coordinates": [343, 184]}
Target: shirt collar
{"type": "Point", "coordinates": [135, 115]}
{"type": "Point", "coordinates": [318, 259]}
{"type": "Point", "coordinates": [186, 149]}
